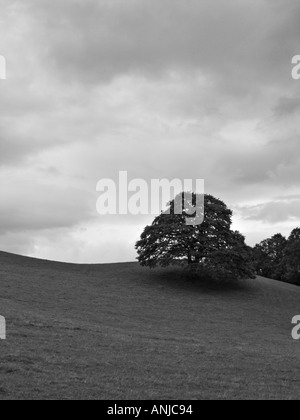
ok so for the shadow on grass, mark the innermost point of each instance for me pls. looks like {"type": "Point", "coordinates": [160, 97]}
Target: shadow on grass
{"type": "Point", "coordinates": [179, 278]}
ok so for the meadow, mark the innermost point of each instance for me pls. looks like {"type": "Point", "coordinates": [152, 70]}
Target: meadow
{"type": "Point", "coordinates": [124, 332]}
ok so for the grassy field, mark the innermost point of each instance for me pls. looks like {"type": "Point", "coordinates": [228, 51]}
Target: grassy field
{"type": "Point", "coordinates": [124, 332]}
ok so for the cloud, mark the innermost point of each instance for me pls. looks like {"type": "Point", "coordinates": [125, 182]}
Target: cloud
{"type": "Point", "coordinates": [274, 212]}
{"type": "Point", "coordinates": [30, 205]}
{"type": "Point", "coordinates": [287, 106]}
{"type": "Point", "coordinates": [163, 89]}
{"type": "Point", "coordinates": [91, 41]}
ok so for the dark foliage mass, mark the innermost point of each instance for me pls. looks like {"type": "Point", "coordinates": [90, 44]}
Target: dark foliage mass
{"type": "Point", "coordinates": [279, 258]}
{"type": "Point", "coordinates": [210, 248]}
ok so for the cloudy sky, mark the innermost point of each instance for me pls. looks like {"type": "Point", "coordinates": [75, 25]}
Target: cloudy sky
{"type": "Point", "coordinates": [160, 88]}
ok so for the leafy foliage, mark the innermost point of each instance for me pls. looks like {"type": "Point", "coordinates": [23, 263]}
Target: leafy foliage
{"type": "Point", "coordinates": [279, 258]}
{"type": "Point", "coordinates": [211, 246]}
{"type": "Point", "coordinates": [291, 259]}
{"type": "Point", "coordinates": [269, 255]}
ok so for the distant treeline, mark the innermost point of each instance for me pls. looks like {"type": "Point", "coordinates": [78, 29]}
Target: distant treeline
{"type": "Point", "coordinates": [278, 258]}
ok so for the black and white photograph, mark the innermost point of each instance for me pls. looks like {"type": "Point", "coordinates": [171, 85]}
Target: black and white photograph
{"type": "Point", "coordinates": [149, 203]}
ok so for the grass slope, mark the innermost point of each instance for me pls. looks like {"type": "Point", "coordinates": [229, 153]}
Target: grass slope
{"type": "Point", "coordinates": [124, 332]}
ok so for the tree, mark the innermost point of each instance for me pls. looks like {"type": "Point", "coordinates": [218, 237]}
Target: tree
{"type": "Point", "coordinates": [291, 258]}
{"type": "Point", "coordinates": [269, 255]}
{"type": "Point", "coordinates": [211, 246]}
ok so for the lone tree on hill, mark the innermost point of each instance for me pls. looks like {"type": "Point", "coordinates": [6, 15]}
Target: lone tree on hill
{"type": "Point", "coordinates": [211, 247]}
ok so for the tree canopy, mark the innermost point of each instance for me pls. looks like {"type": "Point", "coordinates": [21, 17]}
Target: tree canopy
{"type": "Point", "coordinates": [291, 259]}
{"type": "Point", "coordinates": [269, 255]}
{"type": "Point", "coordinates": [279, 258]}
{"type": "Point", "coordinates": [210, 246]}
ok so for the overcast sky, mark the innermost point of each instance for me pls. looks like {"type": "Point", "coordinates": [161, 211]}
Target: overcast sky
{"type": "Point", "coordinates": [160, 88]}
